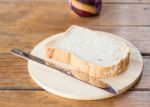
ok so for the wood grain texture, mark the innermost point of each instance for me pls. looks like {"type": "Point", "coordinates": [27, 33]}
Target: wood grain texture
{"type": "Point", "coordinates": [43, 99]}
{"type": "Point", "coordinates": [42, 14]}
{"type": "Point", "coordinates": [26, 39]}
{"type": "Point", "coordinates": [126, 1]}
{"type": "Point", "coordinates": [65, 1]}
{"type": "Point", "coordinates": [14, 74]}
{"type": "Point", "coordinates": [24, 23]}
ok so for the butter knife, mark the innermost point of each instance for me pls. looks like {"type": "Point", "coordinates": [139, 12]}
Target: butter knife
{"type": "Point", "coordinates": [25, 55]}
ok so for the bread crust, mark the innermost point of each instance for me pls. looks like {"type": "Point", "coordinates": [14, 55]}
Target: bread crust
{"type": "Point", "coordinates": [82, 66]}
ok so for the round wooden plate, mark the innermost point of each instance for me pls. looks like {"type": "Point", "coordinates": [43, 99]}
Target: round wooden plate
{"type": "Point", "coordinates": [62, 85]}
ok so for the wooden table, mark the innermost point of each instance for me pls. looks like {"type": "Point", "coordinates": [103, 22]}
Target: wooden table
{"type": "Point", "coordinates": [24, 23]}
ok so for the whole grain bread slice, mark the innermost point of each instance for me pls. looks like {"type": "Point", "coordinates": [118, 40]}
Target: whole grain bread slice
{"type": "Point", "coordinates": [89, 54]}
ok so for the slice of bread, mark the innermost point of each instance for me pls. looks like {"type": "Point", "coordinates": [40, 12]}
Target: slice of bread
{"type": "Point", "coordinates": [89, 53]}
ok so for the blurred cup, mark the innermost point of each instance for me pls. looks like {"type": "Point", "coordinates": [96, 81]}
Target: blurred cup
{"type": "Point", "coordinates": [86, 8]}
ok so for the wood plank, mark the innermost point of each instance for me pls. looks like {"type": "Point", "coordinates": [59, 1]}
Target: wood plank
{"type": "Point", "coordinates": [126, 1]}
{"type": "Point", "coordinates": [45, 14]}
{"type": "Point", "coordinates": [144, 80]}
{"type": "Point", "coordinates": [26, 38]}
{"type": "Point", "coordinates": [65, 1]}
{"type": "Point", "coordinates": [44, 99]}
{"type": "Point", "coordinates": [14, 70]}
{"type": "Point", "coordinates": [24, 23]}
{"type": "Point", "coordinates": [19, 28]}
{"type": "Point", "coordinates": [14, 74]}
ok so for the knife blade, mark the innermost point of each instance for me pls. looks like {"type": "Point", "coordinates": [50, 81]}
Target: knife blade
{"type": "Point", "coordinates": [27, 56]}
